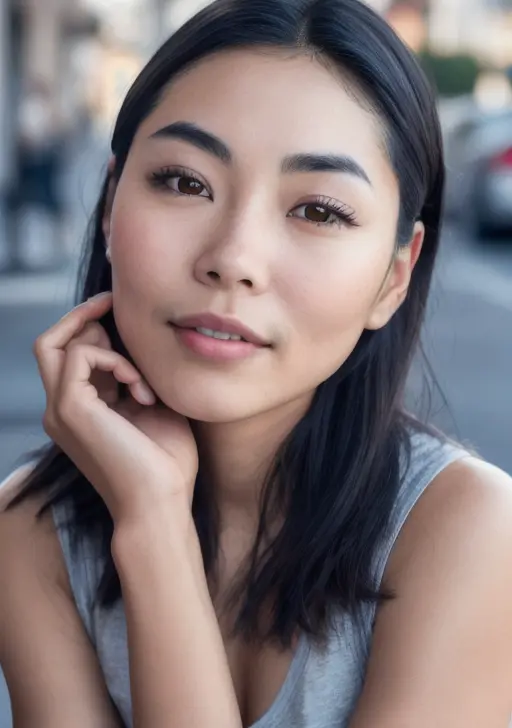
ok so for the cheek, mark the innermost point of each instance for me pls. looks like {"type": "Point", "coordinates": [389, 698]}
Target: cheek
{"type": "Point", "coordinates": [147, 255]}
{"type": "Point", "coordinates": [143, 272]}
{"type": "Point", "coordinates": [330, 300]}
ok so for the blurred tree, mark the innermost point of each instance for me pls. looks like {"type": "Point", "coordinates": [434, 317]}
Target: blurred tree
{"type": "Point", "coordinates": [418, 5]}
{"type": "Point", "coordinates": [453, 75]}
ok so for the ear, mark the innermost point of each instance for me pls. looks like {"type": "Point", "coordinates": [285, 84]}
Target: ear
{"type": "Point", "coordinates": [394, 290]}
{"type": "Point", "coordinates": [109, 203]}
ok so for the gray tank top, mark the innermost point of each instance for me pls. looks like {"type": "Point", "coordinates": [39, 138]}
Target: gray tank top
{"type": "Point", "coordinates": [323, 685]}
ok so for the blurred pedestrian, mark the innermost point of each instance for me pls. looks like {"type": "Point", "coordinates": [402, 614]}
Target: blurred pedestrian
{"type": "Point", "coordinates": [36, 195]}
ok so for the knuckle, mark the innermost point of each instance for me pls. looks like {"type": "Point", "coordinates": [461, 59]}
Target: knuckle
{"type": "Point", "coordinates": [77, 349]}
{"type": "Point", "coordinates": [73, 344]}
{"type": "Point", "coordinates": [49, 423]}
{"type": "Point", "coordinates": [86, 330]}
{"type": "Point", "coordinates": [92, 334]}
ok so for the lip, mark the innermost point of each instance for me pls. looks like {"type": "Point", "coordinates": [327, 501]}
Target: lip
{"type": "Point", "coordinates": [223, 325]}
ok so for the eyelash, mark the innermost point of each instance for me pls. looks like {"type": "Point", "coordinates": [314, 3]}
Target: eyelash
{"type": "Point", "coordinates": [161, 178]}
{"type": "Point", "coordinates": [343, 215]}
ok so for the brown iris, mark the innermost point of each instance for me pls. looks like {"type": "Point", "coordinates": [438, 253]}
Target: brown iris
{"type": "Point", "coordinates": [320, 214]}
{"type": "Point", "coordinates": [189, 186]}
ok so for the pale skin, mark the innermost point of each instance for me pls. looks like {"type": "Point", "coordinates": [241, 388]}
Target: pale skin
{"type": "Point", "coordinates": [305, 287]}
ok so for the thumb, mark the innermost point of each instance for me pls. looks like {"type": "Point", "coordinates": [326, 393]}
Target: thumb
{"type": "Point", "coordinates": [170, 431]}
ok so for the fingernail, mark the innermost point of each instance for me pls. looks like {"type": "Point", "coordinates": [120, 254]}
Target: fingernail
{"type": "Point", "coordinates": [99, 296]}
{"type": "Point", "coordinates": [146, 396]}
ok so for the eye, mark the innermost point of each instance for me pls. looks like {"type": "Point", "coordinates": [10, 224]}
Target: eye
{"type": "Point", "coordinates": [179, 181]}
{"type": "Point", "coordinates": [327, 212]}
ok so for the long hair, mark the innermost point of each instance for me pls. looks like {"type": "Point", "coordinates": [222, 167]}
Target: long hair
{"type": "Point", "coordinates": [338, 472]}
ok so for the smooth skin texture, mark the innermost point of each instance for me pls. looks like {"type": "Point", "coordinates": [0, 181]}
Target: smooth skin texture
{"type": "Point", "coordinates": [253, 242]}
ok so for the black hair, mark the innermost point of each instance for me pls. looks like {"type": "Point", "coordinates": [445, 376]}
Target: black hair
{"type": "Point", "coordinates": [338, 472]}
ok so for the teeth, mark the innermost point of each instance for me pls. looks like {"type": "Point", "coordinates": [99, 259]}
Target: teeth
{"type": "Point", "coordinates": [218, 334]}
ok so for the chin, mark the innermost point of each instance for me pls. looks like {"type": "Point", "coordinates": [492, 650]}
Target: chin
{"type": "Point", "coordinates": [207, 403]}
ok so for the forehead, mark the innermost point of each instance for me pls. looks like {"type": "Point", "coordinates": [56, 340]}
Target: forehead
{"type": "Point", "coordinates": [273, 102]}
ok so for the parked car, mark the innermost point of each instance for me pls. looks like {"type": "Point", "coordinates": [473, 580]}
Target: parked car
{"type": "Point", "coordinates": [492, 191]}
{"type": "Point", "coordinates": [479, 171]}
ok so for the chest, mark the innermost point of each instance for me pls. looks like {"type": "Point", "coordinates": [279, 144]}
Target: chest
{"type": "Point", "coordinates": [259, 675]}
{"type": "Point", "coordinates": [258, 671]}
{"type": "Point", "coordinates": [304, 689]}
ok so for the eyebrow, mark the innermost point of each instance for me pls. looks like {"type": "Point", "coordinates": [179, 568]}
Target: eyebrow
{"type": "Point", "coordinates": [207, 142]}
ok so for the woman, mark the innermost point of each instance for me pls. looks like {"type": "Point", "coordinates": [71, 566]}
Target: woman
{"type": "Point", "coordinates": [241, 525]}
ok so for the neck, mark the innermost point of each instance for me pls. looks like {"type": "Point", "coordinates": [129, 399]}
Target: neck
{"type": "Point", "coordinates": [239, 455]}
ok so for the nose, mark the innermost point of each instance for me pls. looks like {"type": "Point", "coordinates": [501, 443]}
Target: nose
{"type": "Point", "coordinates": [235, 257]}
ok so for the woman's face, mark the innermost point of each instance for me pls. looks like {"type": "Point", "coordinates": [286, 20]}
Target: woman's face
{"type": "Point", "coordinates": [257, 192]}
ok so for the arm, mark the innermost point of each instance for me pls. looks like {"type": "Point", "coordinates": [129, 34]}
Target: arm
{"type": "Point", "coordinates": [178, 666]}
{"type": "Point", "coordinates": [51, 669]}
{"type": "Point", "coordinates": [142, 459]}
{"type": "Point", "coordinates": [442, 650]}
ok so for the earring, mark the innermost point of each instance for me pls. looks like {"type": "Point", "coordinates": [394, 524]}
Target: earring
{"type": "Point", "coordinates": [108, 254]}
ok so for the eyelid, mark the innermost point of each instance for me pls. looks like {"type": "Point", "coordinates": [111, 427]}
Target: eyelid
{"type": "Point", "coordinates": [344, 213]}
{"type": "Point", "coordinates": [178, 170]}
{"type": "Point", "coordinates": [329, 202]}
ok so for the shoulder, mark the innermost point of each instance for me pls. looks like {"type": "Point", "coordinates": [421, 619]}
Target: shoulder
{"type": "Point", "coordinates": [442, 646]}
{"type": "Point", "coordinates": [32, 566]}
{"type": "Point", "coordinates": [465, 510]}
{"type": "Point", "coordinates": [38, 617]}
{"type": "Point", "coordinates": [29, 544]}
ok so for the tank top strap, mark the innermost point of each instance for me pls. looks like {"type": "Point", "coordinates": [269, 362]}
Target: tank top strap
{"type": "Point", "coordinates": [82, 564]}
{"type": "Point", "coordinates": [427, 458]}
{"type": "Point", "coordinates": [80, 560]}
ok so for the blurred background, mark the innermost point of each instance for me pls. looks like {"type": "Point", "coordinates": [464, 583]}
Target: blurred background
{"type": "Point", "coordinates": [65, 66]}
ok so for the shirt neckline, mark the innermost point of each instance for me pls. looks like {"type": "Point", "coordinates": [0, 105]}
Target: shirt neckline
{"type": "Point", "coordinates": [287, 690]}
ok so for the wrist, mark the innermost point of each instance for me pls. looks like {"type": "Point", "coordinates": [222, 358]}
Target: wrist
{"type": "Point", "coordinates": [154, 537]}
{"type": "Point", "coordinates": [151, 501]}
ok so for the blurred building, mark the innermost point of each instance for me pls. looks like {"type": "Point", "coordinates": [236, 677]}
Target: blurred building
{"type": "Point", "coordinates": [409, 19]}
{"type": "Point", "coordinates": [42, 37]}
{"type": "Point", "coordinates": [5, 162]}
{"type": "Point", "coordinates": [38, 44]}
{"type": "Point", "coordinates": [130, 31]}
{"type": "Point", "coordinates": [480, 27]}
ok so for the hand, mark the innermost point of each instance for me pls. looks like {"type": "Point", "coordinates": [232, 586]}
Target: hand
{"type": "Point", "coordinates": [139, 455]}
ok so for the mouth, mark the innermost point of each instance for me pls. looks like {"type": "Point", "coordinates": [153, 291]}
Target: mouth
{"type": "Point", "coordinates": [221, 335]}
{"type": "Point", "coordinates": [223, 329]}
{"type": "Point", "coordinates": [216, 338]}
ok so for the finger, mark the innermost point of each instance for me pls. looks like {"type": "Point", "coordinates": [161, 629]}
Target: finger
{"type": "Point", "coordinates": [142, 393]}
{"type": "Point", "coordinates": [59, 335]}
{"type": "Point", "coordinates": [81, 361]}
{"type": "Point", "coordinates": [48, 347]}
{"type": "Point", "coordinates": [104, 382]}
{"type": "Point", "coordinates": [93, 334]}
{"type": "Point", "coordinates": [106, 385]}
